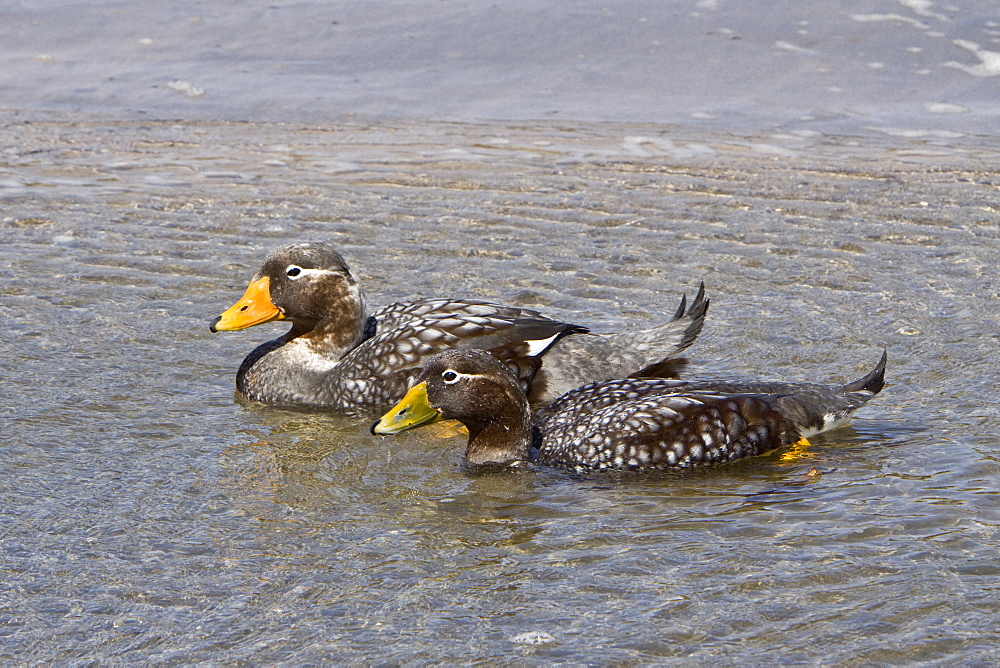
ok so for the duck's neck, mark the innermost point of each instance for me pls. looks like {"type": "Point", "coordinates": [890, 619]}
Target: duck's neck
{"type": "Point", "coordinates": [502, 437]}
{"type": "Point", "coordinates": [338, 332]}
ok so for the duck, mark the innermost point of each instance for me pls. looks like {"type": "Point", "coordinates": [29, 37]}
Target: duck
{"type": "Point", "coordinates": [624, 424]}
{"type": "Point", "coordinates": [337, 355]}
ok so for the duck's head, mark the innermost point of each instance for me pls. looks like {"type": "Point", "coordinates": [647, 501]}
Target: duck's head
{"type": "Point", "coordinates": [306, 283]}
{"type": "Point", "coordinates": [475, 388]}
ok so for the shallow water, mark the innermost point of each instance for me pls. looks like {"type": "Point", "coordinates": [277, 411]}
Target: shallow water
{"type": "Point", "coordinates": [829, 172]}
{"type": "Point", "coordinates": [149, 516]}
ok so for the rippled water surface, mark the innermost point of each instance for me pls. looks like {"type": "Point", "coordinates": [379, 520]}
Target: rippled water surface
{"type": "Point", "coordinates": [829, 170]}
{"type": "Point", "coordinates": [146, 515]}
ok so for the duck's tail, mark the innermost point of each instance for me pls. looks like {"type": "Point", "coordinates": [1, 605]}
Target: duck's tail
{"type": "Point", "coordinates": [577, 360]}
{"type": "Point", "coordinates": [872, 383]}
{"type": "Point", "coordinates": [814, 410]}
{"type": "Point", "coordinates": [664, 341]}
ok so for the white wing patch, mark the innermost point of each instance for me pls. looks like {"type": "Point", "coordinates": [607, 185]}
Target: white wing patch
{"type": "Point", "coordinates": [538, 346]}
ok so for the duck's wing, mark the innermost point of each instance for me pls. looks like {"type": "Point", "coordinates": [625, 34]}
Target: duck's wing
{"type": "Point", "coordinates": [679, 430]}
{"type": "Point", "coordinates": [593, 397]}
{"type": "Point", "coordinates": [380, 369]}
{"type": "Point", "coordinates": [396, 315]}
{"type": "Point", "coordinates": [812, 407]}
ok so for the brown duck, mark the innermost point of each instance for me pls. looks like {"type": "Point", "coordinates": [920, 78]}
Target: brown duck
{"type": "Point", "coordinates": [627, 424]}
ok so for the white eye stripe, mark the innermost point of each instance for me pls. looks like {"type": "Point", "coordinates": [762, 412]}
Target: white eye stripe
{"type": "Point", "coordinates": [450, 376]}
{"type": "Point", "coordinates": [295, 272]}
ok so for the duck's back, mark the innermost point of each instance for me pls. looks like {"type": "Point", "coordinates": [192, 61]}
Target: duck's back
{"type": "Point", "coordinates": [402, 337]}
{"type": "Point", "coordinates": [394, 315]}
{"type": "Point", "coordinates": [678, 430]}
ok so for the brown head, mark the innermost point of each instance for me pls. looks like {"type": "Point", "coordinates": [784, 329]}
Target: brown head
{"type": "Point", "coordinates": [479, 391]}
{"type": "Point", "coordinates": [309, 284]}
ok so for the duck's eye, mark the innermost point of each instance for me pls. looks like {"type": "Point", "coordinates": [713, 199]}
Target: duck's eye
{"type": "Point", "coordinates": [293, 271]}
{"type": "Point", "coordinates": [449, 377]}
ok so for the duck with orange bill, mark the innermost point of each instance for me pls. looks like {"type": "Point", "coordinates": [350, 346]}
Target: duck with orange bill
{"type": "Point", "coordinates": [337, 355]}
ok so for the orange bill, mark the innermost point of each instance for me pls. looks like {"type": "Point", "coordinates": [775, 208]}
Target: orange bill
{"type": "Point", "coordinates": [253, 308]}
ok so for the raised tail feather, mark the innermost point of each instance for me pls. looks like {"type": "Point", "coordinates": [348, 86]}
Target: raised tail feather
{"type": "Point", "coordinates": [873, 382]}
{"type": "Point", "coordinates": [649, 352]}
{"type": "Point", "coordinates": [695, 315]}
{"type": "Point", "coordinates": [815, 410]}
{"type": "Point", "coordinates": [581, 359]}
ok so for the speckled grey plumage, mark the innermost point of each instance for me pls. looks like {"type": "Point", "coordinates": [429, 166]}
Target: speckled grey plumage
{"type": "Point", "coordinates": [337, 356]}
{"type": "Point", "coordinates": [812, 407]}
{"type": "Point", "coordinates": [680, 430]}
{"type": "Point", "coordinates": [628, 424]}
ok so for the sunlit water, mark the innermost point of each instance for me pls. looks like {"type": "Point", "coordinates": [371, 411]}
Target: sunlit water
{"type": "Point", "coordinates": [146, 515]}
{"type": "Point", "coordinates": [903, 65]}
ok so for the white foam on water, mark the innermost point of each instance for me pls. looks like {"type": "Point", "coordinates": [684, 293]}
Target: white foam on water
{"type": "Point", "coordinates": [912, 133]}
{"type": "Point", "coordinates": [533, 638]}
{"type": "Point", "coordinates": [185, 88]}
{"type": "Point", "coordinates": [788, 46]}
{"type": "Point", "coordinates": [642, 146]}
{"type": "Point", "coordinates": [923, 8]}
{"type": "Point", "coordinates": [334, 166]}
{"type": "Point", "coordinates": [989, 65]}
{"type": "Point", "coordinates": [166, 181]}
{"type": "Point", "coordinates": [945, 108]}
{"type": "Point", "coordinates": [771, 149]}
{"type": "Point", "coordinates": [875, 18]}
